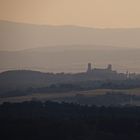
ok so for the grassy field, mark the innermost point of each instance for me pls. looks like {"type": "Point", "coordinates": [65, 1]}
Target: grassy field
{"type": "Point", "coordinates": [52, 96]}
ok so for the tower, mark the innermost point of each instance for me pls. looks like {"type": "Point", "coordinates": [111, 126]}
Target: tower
{"type": "Point", "coordinates": [89, 68]}
{"type": "Point", "coordinates": [109, 67]}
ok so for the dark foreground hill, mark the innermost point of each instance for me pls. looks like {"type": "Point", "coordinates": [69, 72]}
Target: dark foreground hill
{"type": "Point", "coordinates": [50, 120]}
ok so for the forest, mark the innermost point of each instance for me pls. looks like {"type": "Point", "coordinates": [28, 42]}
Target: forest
{"type": "Point", "coordinates": [52, 120]}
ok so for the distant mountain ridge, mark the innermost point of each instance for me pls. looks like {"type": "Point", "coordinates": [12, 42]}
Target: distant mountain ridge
{"type": "Point", "coordinates": [24, 36]}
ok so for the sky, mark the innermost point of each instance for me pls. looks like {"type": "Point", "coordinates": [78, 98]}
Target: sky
{"type": "Point", "coordinates": [92, 13]}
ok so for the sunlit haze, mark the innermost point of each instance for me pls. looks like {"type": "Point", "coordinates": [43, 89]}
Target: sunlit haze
{"type": "Point", "coordinates": [93, 13]}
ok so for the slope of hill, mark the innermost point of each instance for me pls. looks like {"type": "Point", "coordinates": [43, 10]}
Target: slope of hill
{"type": "Point", "coordinates": [21, 79]}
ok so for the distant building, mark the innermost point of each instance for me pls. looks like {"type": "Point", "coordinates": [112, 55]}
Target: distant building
{"type": "Point", "coordinates": [89, 68]}
{"type": "Point", "coordinates": [104, 73]}
{"type": "Point", "coordinates": [109, 67]}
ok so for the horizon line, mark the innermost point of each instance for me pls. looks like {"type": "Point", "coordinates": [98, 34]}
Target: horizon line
{"type": "Point", "coordinates": [67, 25]}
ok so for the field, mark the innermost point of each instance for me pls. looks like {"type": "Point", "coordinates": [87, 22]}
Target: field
{"type": "Point", "coordinates": [53, 96]}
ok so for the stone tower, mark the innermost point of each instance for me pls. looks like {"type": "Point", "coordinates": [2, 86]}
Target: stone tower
{"type": "Point", "coordinates": [89, 68]}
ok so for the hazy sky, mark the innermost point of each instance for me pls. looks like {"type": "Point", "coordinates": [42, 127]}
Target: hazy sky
{"type": "Point", "coordinates": [94, 13]}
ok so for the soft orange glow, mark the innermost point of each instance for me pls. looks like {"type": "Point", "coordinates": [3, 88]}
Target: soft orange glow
{"type": "Point", "coordinates": [94, 13]}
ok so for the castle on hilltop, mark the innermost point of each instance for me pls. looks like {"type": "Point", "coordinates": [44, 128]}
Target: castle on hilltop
{"type": "Point", "coordinates": [105, 73]}
{"type": "Point", "coordinates": [108, 69]}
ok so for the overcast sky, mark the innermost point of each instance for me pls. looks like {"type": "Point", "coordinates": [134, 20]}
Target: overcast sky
{"type": "Point", "coordinates": [93, 13]}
